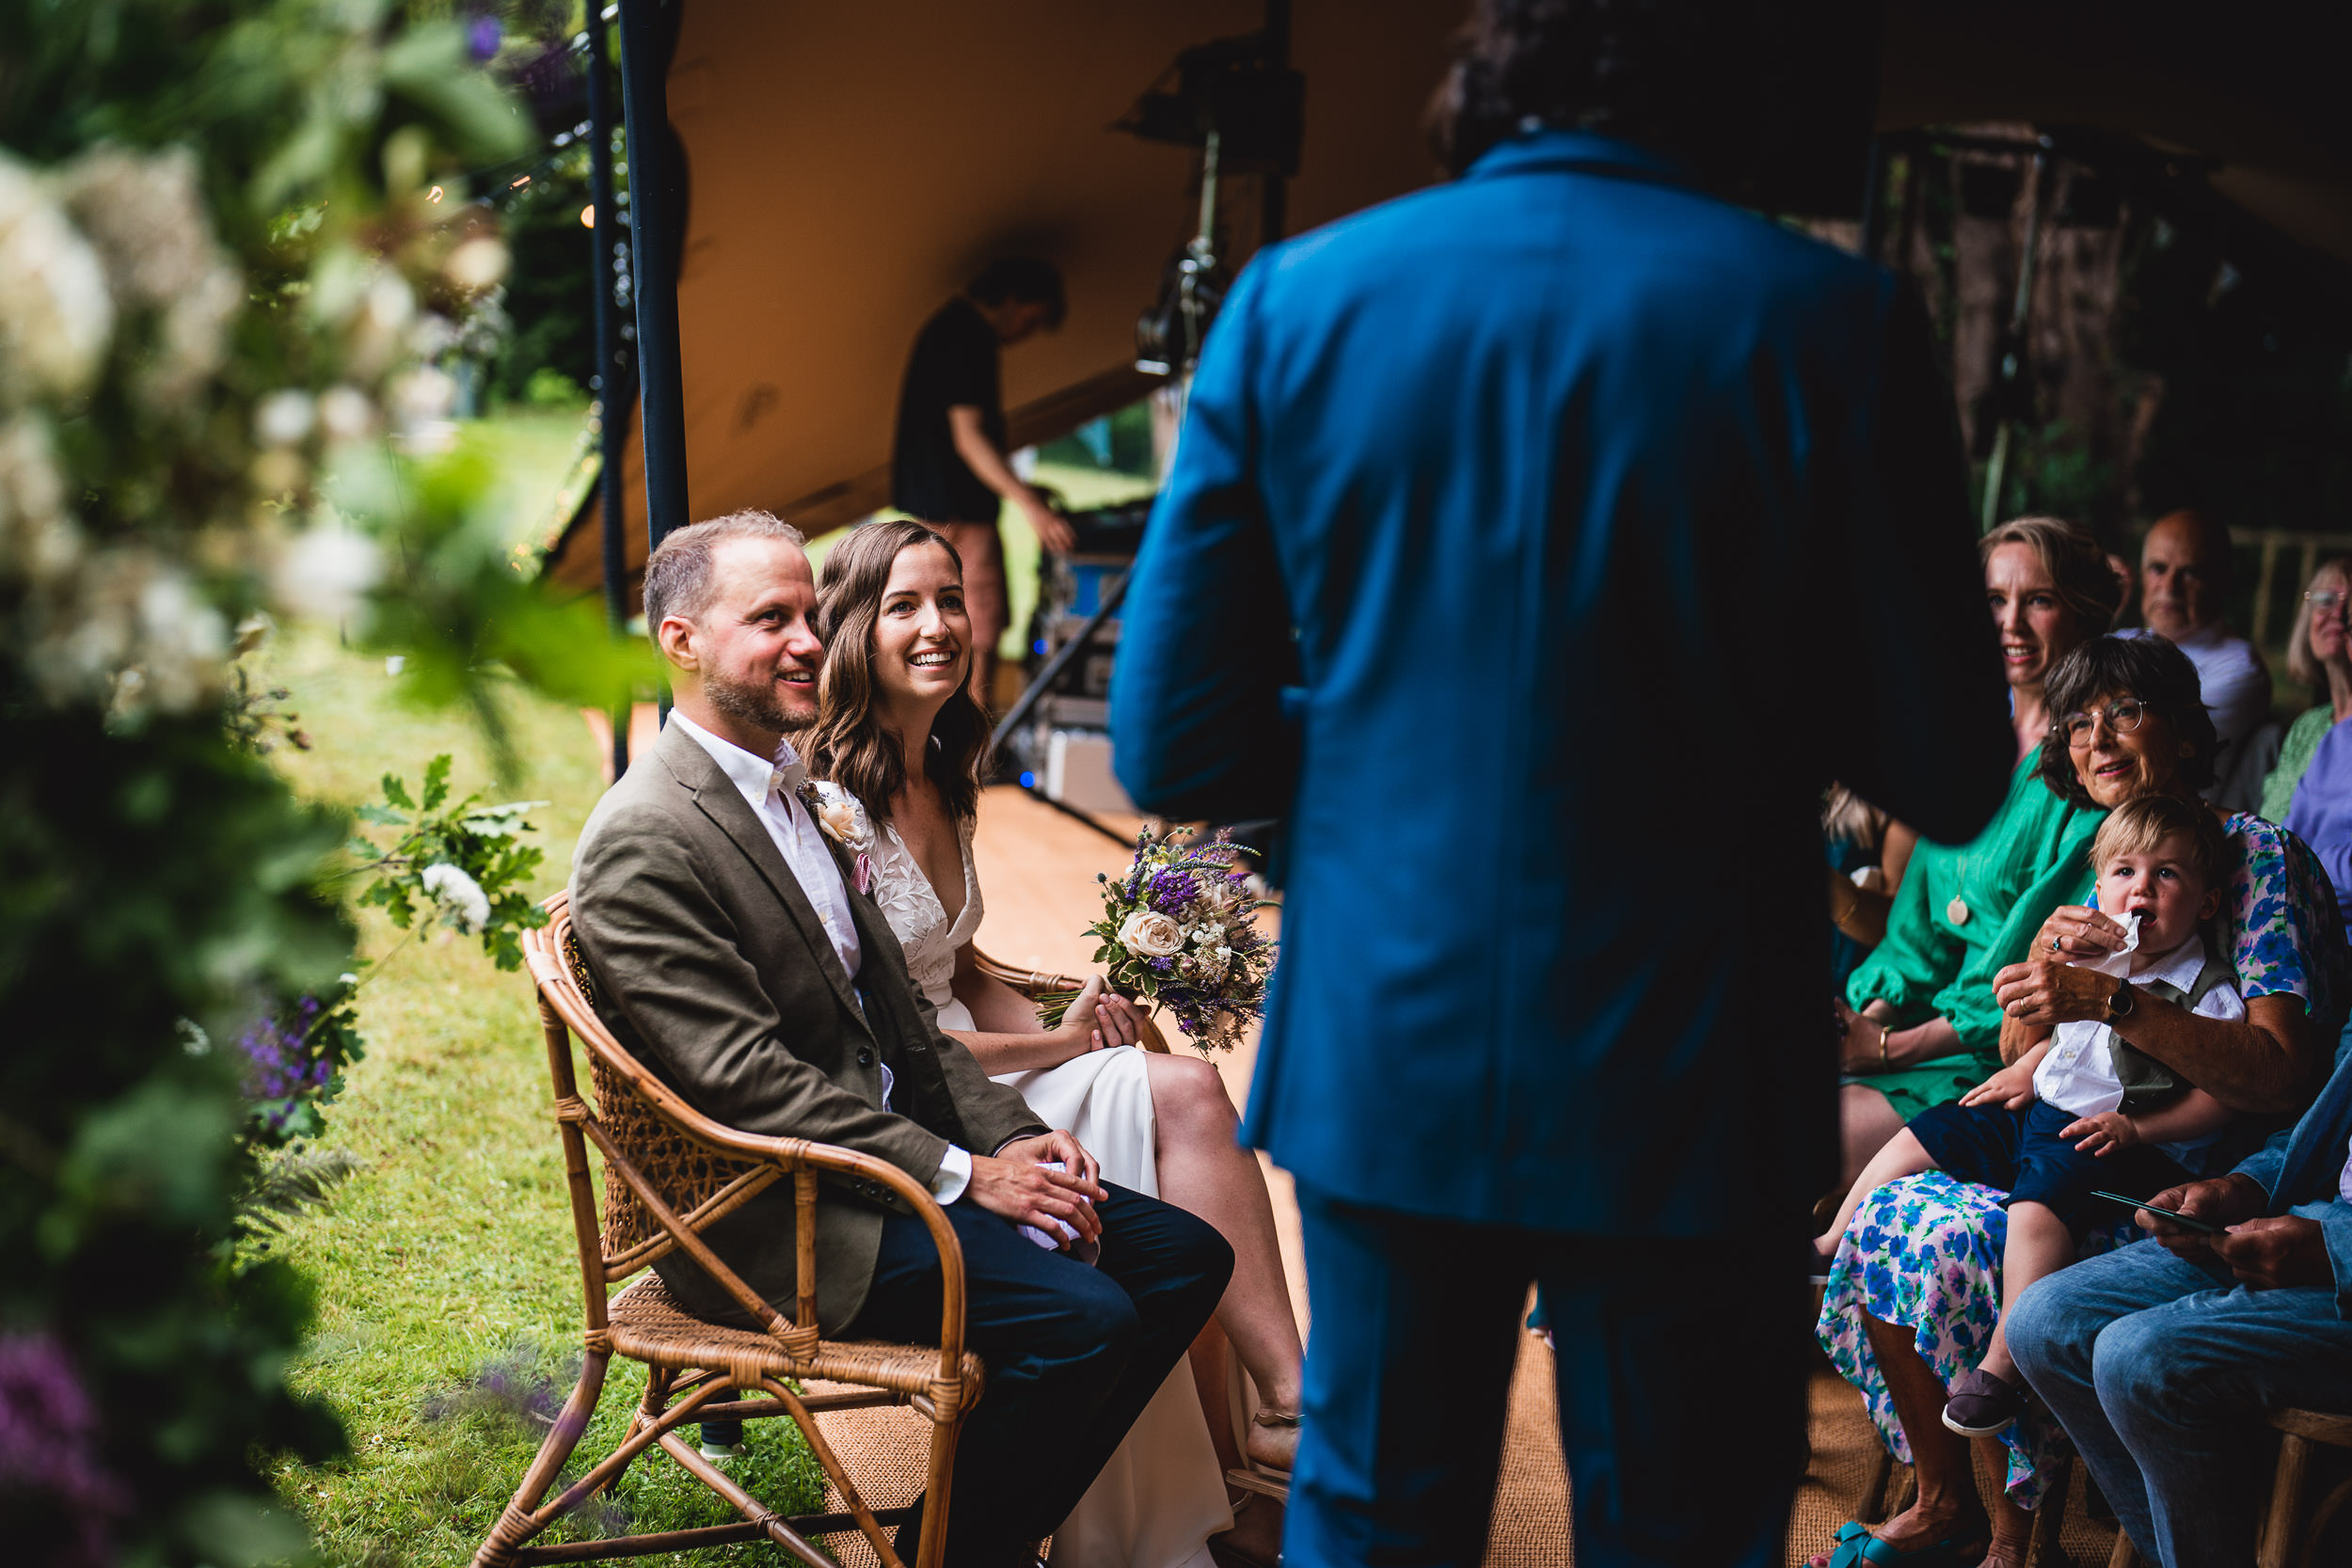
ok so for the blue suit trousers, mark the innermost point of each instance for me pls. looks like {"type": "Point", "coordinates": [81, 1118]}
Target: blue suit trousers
{"type": "Point", "coordinates": [1681, 1370]}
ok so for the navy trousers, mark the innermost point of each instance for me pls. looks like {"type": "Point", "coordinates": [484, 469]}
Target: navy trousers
{"type": "Point", "coordinates": [1073, 1353]}
{"type": "Point", "coordinates": [1681, 1372]}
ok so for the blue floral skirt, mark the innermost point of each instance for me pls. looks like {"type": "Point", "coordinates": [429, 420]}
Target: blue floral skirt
{"type": "Point", "coordinates": [1925, 1252]}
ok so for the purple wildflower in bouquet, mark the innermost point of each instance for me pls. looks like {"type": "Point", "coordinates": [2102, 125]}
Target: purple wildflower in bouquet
{"type": "Point", "coordinates": [1178, 932]}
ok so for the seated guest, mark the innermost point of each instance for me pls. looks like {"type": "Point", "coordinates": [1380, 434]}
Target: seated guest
{"type": "Point", "coordinates": [731, 954]}
{"type": "Point", "coordinates": [1915, 1291]}
{"type": "Point", "coordinates": [2161, 1361]}
{"type": "Point", "coordinates": [2319, 659]}
{"type": "Point", "coordinates": [2184, 584]}
{"type": "Point", "coordinates": [2082, 1111]}
{"type": "Point", "coordinates": [1919, 1023]}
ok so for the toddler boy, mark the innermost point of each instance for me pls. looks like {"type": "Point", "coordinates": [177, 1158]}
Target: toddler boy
{"type": "Point", "coordinates": [2082, 1110]}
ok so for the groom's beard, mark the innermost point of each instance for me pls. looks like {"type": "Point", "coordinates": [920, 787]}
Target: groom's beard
{"type": "Point", "coordinates": [748, 702]}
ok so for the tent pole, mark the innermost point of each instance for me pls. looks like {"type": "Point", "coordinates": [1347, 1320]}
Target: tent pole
{"type": "Point", "coordinates": [1274, 193]}
{"type": "Point", "coordinates": [655, 232]}
{"type": "Point", "coordinates": [610, 379]}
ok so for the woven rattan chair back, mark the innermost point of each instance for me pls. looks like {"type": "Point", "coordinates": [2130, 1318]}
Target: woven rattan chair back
{"type": "Point", "coordinates": [669, 1172]}
{"type": "Point", "coordinates": [687, 1174]}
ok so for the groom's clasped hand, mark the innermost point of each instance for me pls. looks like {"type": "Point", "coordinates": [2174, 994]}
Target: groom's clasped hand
{"type": "Point", "coordinates": [1020, 1183]}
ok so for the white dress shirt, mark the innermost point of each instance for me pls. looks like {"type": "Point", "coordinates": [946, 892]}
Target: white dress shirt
{"type": "Point", "coordinates": [2078, 1075]}
{"type": "Point", "coordinates": [770, 790]}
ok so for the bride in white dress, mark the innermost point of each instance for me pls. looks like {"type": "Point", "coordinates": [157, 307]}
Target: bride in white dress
{"type": "Point", "coordinates": [899, 645]}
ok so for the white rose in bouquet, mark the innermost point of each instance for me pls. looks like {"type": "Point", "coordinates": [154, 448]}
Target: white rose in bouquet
{"type": "Point", "coordinates": [1149, 934]}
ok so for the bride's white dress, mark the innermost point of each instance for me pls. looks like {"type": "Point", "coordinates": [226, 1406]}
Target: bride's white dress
{"type": "Point", "coordinates": [1162, 1494]}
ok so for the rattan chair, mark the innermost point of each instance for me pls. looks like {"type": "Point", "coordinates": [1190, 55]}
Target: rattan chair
{"type": "Point", "coordinates": [670, 1172]}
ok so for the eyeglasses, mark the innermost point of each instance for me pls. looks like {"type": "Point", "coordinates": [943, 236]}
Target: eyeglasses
{"type": "Point", "coordinates": [2325, 601]}
{"type": "Point", "coordinates": [2123, 717]}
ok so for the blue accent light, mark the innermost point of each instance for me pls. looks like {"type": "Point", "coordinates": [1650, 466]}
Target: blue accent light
{"type": "Point", "coordinates": [1038, 646]}
{"type": "Point", "coordinates": [1028, 781]}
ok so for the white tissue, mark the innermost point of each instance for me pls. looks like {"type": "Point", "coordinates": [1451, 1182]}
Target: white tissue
{"type": "Point", "coordinates": [2118, 964]}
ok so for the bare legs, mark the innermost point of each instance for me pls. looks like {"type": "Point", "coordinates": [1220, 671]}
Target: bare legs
{"type": "Point", "coordinates": [2039, 1244]}
{"type": "Point", "coordinates": [1202, 1168]}
{"type": "Point", "coordinates": [1864, 1121]}
{"type": "Point", "coordinates": [1947, 1505]}
{"type": "Point", "coordinates": [1903, 1155]}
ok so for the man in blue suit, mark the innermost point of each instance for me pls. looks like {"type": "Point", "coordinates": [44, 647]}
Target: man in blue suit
{"type": "Point", "coordinates": [1538, 545]}
{"type": "Point", "coordinates": [2162, 1362]}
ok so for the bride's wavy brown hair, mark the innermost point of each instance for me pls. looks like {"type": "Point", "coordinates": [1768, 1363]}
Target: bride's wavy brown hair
{"type": "Point", "coordinates": [848, 744]}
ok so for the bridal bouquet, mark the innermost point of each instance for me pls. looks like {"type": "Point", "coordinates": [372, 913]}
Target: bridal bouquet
{"type": "Point", "coordinates": [1177, 931]}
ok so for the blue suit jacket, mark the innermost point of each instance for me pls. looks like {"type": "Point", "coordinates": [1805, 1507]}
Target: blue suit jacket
{"type": "Point", "coordinates": [1537, 546]}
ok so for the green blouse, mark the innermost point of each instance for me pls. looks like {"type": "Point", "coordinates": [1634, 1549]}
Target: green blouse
{"type": "Point", "coordinates": [2295, 755]}
{"type": "Point", "coordinates": [1964, 912]}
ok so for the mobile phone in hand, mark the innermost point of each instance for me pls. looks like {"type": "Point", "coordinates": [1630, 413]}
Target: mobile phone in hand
{"type": "Point", "coordinates": [2186, 1222]}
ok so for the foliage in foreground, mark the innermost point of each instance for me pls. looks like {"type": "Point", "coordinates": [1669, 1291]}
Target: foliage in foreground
{"type": "Point", "coordinates": [232, 238]}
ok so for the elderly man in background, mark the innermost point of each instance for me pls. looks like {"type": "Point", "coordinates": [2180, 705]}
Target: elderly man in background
{"type": "Point", "coordinates": [2184, 586]}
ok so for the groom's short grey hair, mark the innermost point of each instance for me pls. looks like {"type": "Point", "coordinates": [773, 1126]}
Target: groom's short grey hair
{"type": "Point", "coordinates": [678, 577]}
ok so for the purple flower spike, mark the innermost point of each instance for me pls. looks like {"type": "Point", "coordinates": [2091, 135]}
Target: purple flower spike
{"type": "Point", "coordinates": [484, 37]}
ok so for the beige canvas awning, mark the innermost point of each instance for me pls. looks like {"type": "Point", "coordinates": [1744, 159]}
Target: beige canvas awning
{"type": "Point", "coordinates": [852, 165]}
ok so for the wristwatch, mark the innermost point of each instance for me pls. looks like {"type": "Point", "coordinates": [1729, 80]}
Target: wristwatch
{"type": "Point", "coordinates": [2119, 1003]}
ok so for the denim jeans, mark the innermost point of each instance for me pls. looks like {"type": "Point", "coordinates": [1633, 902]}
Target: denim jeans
{"type": "Point", "coordinates": [2161, 1371]}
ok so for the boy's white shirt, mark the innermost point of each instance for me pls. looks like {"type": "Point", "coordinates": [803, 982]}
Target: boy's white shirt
{"type": "Point", "coordinates": [2079, 1076]}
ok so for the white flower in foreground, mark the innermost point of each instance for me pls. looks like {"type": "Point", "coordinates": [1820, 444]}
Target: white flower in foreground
{"type": "Point", "coordinates": [345, 413]}
{"type": "Point", "coordinates": [477, 263]}
{"type": "Point", "coordinates": [56, 313]}
{"type": "Point", "coordinates": [325, 570]}
{"type": "Point", "coordinates": [284, 418]}
{"type": "Point", "coordinates": [459, 895]}
{"type": "Point", "coordinates": [1150, 934]}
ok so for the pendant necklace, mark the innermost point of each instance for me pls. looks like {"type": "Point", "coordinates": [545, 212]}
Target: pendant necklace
{"type": "Point", "coordinates": [1957, 911]}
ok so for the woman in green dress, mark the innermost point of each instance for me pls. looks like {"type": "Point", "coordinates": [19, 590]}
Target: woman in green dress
{"type": "Point", "coordinates": [1920, 1022]}
{"type": "Point", "coordinates": [2319, 655]}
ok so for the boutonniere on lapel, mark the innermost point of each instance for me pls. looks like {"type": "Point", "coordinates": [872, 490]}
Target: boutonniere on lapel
{"type": "Point", "coordinates": [843, 818]}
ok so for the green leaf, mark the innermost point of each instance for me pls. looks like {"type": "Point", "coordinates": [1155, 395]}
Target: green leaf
{"type": "Point", "coordinates": [384, 815]}
{"type": "Point", "coordinates": [436, 781]}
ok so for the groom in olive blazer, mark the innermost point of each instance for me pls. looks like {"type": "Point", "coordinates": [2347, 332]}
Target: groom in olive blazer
{"type": "Point", "coordinates": [731, 952]}
{"type": "Point", "coordinates": [712, 967]}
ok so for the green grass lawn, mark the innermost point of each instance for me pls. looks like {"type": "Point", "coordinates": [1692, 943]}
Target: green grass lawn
{"type": "Point", "coordinates": [449, 1310]}
{"type": "Point", "coordinates": [448, 1286]}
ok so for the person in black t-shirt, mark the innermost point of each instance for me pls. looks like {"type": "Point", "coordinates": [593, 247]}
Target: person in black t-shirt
{"type": "Point", "coordinates": [948, 466]}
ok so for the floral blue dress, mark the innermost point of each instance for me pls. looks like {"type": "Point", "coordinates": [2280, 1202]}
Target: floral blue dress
{"type": "Point", "coordinates": [1925, 1251]}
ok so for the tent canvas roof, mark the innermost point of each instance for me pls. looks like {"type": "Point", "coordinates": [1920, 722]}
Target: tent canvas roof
{"type": "Point", "coordinates": [850, 166]}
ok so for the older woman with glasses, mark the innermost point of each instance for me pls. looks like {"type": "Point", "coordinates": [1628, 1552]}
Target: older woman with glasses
{"type": "Point", "coordinates": [1915, 1291]}
{"type": "Point", "coordinates": [2319, 658]}
{"type": "Point", "coordinates": [1917, 1021]}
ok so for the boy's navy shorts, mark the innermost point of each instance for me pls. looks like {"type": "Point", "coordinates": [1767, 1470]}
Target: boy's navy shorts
{"type": "Point", "coordinates": [2021, 1153]}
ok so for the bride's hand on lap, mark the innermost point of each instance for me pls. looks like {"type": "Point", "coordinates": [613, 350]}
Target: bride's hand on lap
{"type": "Point", "coordinates": [1097, 1020]}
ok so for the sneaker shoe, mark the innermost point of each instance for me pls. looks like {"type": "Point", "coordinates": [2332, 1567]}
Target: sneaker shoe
{"type": "Point", "coordinates": [1982, 1404]}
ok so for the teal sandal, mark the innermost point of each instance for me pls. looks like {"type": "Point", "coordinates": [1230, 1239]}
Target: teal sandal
{"type": "Point", "coordinates": [1858, 1548]}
